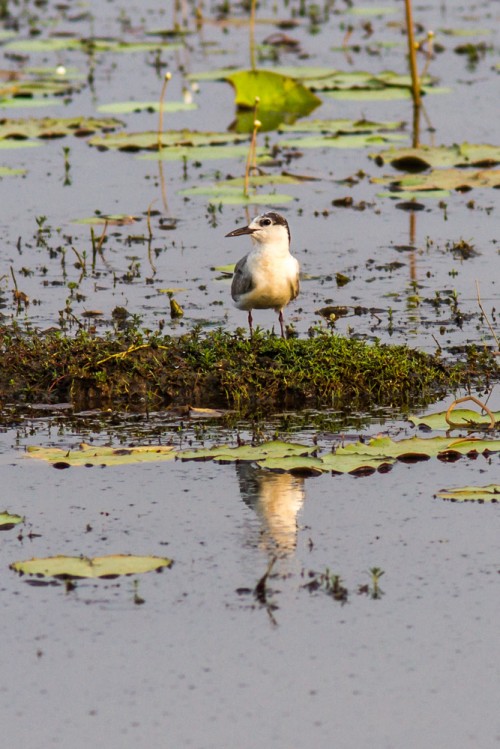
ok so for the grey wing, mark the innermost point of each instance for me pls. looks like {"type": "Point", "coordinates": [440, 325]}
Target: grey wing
{"type": "Point", "coordinates": [242, 279]}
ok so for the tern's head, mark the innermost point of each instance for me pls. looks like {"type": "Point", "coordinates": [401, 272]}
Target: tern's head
{"type": "Point", "coordinates": [267, 228]}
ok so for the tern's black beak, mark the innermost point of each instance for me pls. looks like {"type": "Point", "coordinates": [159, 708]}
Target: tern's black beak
{"type": "Point", "coordinates": [239, 232]}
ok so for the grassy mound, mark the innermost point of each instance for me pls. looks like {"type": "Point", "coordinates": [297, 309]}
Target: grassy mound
{"type": "Point", "coordinates": [221, 369]}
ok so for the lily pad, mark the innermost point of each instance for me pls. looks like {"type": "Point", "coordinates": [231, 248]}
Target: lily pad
{"type": "Point", "coordinates": [203, 153]}
{"type": "Point", "coordinates": [247, 453]}
{"type": "Point", "coordinates": [58, 44]}
{"type": "Point", "coordinates": [169, 139]}
{"type": "Point", "coordinates": [111, 566]}
{"type": "Point", "coordinates": [129, 107]}
{"type": "Point", "coordinates": [21, 102]}
{"type": "Point", "coordinates": [7, 171]}
{"type": "Point", "coordinates": [356, 140]}
{"type": "Point", "coordinates": [277, 94]}
{"type": "Point", "coordinates": [340, 126]}
{"type": "Point", "coordinates": [443, 179]}
{"type": "Point", "coordinates": [425, 157]}
{"type": "Point", "coordinates": [102, 456]}
{"type": "Point", "coordinates": [460, 416]}
{"type": "Point", "coordinates": [11, 144]}
{"type": "Point", "coordinates": [54, 127]}
{"type": "Point", "coordinates": [489, 493]}
{"type": "Point", "coordinates": [9, 521]}
{"type": "Point", "coordinates": [230, 192]}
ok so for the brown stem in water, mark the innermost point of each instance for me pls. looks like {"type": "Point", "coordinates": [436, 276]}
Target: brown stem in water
{"type": "Point", "coordinates": [479, 403]}
{"type": "Point", "coordinates": [415, 80]}
{"type": "Point", "coordinates": [168, 76]}
{"type": "Point", "coordinates": [252, 34]}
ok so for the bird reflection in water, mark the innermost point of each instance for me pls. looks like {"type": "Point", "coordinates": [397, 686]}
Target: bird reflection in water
{"type": "Point", "coordinates": [276, 498]}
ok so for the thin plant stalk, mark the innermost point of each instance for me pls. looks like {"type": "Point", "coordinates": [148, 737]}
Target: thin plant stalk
{"type": "Point", "coordinates": [415, 79]}
{"type": "Point", "coordinates": [252, 151]}
{"type": "Point", "coordinates": [166, 79]}
{"type": "Point", "coordinates": [252, 34]}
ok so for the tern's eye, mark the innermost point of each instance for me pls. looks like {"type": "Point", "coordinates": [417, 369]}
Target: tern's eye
{"type": "Point", "coordinates": [266, 222]}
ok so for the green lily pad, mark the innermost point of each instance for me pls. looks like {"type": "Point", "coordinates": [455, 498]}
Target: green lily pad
{"type": "Point", "coordinates": [9, 521]}
{"type": "Point", "coordinates": [356, 140]}
{"type": "Point", "coordinates": [247, 453]}
{"type": "Point", "coordinates": [489, 493]}
{"type": "Point", "coordinates": [54, 127]}
{"type": "Point", "coordinates": [382, 94]}
{"type": "Point", "coordinates": [369, 10]}
{"type": "Point", "coordinates": [112, 219]}
{"type": "Point", "coordinates": [58, 44]}
{"type": "Point", "coordinates": [421, 448]}
{"type": "Point", "coordinates": [99, 456]}
{"type": "Point", "coordinates": [128, 107]}
{"type": "Point", "coordinates": [276, 92]}
{"type": "Point", "coordinates": [425, 157]}
{"type": "Point", "coordinates": [443, 179]}
{"type": "Point", "coordinates": [231, 191]}
{"type": "Point", "coordinates": [111, 566]}
{"type": "Point", "coordinates": [203, 153]}
{"type": "Point", "coordinates": [20, 102]}
{"type": "Point", "coordinates": [340, 127]}
{"type": "Point", "coordinates": [416, 195]}
{"type": "Point", "coordinates": [169, 139]}
{"type": "Point", "coordinates": [11, 144]}
{"type": "Point", "coordinates": [460, 416]}
{"type": "Point", "coordinates": [7, 171]}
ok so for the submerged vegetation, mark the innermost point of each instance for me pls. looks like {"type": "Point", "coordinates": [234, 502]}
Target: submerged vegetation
{"type": "Point", "coordinates": [223, 369]}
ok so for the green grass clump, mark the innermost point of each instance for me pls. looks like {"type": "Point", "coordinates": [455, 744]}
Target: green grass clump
{"type": "Point", "coordinates": [221, 369]}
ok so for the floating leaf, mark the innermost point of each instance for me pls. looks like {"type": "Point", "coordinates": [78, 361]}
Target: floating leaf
{"type": "Point", "coordinates": [54, 127]}
{"type": "Point", "coordinates": [230, 191]}
{"type": "Point", "coordinates": [203, 153]}
{"type": "Point", "coordinates": [8, 521]}
{"type": "Point", "coordinates": [20, 102]}
{"type": "Point", "coordinates": [280, 97]}
{"type": "Point", "coordinates": [129, 107]}
{"type": "Point", "coordinates": [7, 171]}
{"type": "Point", "coordinates": [381, 10]}
{"type": "Point", "coordinates": [332, 127]}
{"type": "Point", "coordinates": [112, 219]}
{"type": "Point", "coordinates": [356, 140]}
{"type": "Point", "coordinates": [424, 157]}
{"type": "Point", "coordinates": [11, 144]}
{"type": "Point", "coordinates": [84, 567]}
{"type": "Point", "coordinates": [443, 179]}
{"type": "Point", "coordinates": [169, 139]}
{"type": "Point", "coordinates": [460, 416]}
{"type": "Point", "coordinates": [382, 94]}
{"type": "Point", "coordinates": [100, 456]}
{"type": "Point", "coordinates": [57, 44]}
{"type": "Point", "coordinates": [247, 453]}
{"type": "Point", "coordinates": [489, 493]}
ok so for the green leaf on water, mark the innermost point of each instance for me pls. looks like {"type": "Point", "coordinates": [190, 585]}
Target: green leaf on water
{"type": "Point", "coordinates": [443, 179]}
{"type": "Point", "coordinates": [111, 566]}
{"type": "Point", "coordinates": [9, 521]}
{"type": "Point", "coordinates": [356, 140]}
{"type": "Point", "coordinates": [20, 102]}
{"type": "Point", "coordinates": [54, 127]}
{"type": "Point", "coordinates": [247, 453]}
{"type": "Point", "coordinates": [231, 191]}
{"type": "Point", "coordinates": [129, 107]}
{"type": "Point", "coordinates": [425, 157]}
{"type": "Point", "coordinates": [7, 171]}
{"type": "Point", "coordinates": [277, 94]}
{"type": "Point", "coordinates": [11, 144]}
{"type": "Point", "coordinates": [203, 153]}
{"type": "Point", "coordinates": [463, 417]}
{"type": "Point", "coordinates": [340, 127]}
{"type": "Point", "coordinates": [489, 493]}
{"type": "Point", "coordinates": [169, 139]}
{"type": "Point", "coordinates": [364, 10]}
{"type": "Point", "coordinates": [88, 455]}
{"type": "Point", "coordinates": [58, 44]}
